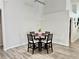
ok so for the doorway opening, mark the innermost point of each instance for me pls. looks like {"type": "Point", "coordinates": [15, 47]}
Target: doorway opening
{"type": "Point", "coordinates": [74, 33]}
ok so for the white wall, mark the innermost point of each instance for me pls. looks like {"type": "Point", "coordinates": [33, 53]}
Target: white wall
{"type": "Point", "coordinates": [75, 0]}
{"type": "Point", "coordinates": [77, 9]}
{"type": "Point", "coordinates": [68, 5]}
{"type": "Point", "coordinates": [0, 4]}
{"type": "Point", "coordinates": [58, 24]}
{"type": "Point", "coordinates": [20, 18]}
{"type": "Point", "coordinates": [55, 6]}
{"type": "Point", "coordinates": [56, 20]}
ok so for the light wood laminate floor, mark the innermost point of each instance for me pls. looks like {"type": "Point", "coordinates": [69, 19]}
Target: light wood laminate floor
{"type": "Point", "coordinates": [60, 52]}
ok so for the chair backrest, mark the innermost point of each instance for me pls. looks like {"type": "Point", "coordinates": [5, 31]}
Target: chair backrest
{"type": "Point", "coordinates": [30, 38]}
{"type": "Point", "coordinates": [46, 34]}
{"type": "Point", "coordinates": [50, 37]}
{"type": "Point", "coordinates": [33, 34]}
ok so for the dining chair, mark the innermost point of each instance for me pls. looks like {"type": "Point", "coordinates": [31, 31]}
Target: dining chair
{"type": "Point", "coordinates": [46, 35]}
{"type": "Point", "coordinates": [45, 38]}
{"type": "Point", "coordinates": [48, 43]}
{"type": "Point", "coordinates": [33, 34]}
{"type": "Point", "coordinates": [31, 43]}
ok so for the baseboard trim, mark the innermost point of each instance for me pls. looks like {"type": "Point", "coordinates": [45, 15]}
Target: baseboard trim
{"type": "Point", "coordinates": [65, 44]}
{"type": "Point", "coordinates": [5, 49]}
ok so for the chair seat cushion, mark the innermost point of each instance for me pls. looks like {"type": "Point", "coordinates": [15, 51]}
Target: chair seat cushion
{"type": "Point", "coordinates": [35, 41]}
{"type": "Point", "coordinates": [45, 41]}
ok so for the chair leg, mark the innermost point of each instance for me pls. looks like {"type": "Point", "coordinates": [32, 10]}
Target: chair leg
{"type": "Point", "coordinates": [47, 51]}
{"type": "Point", "coordinates": [51, 47]}
{"type": "Point", "coordinates": [28, 48]}
{"type": "Point", "coordinates": [47, 48]}
{"type": "Point", "coordinates": [33, 49]}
